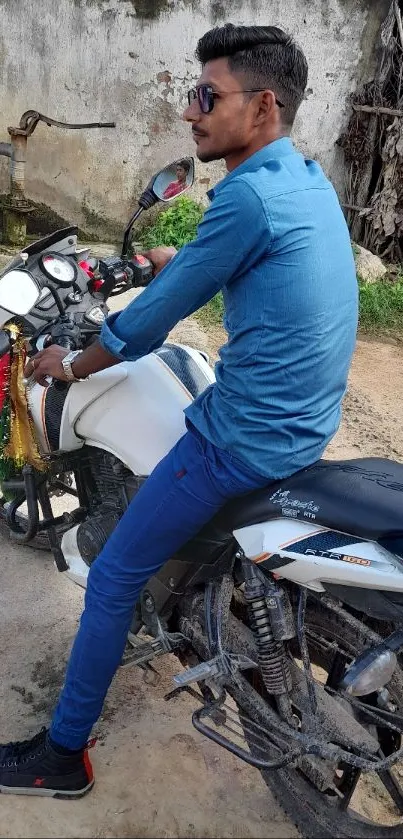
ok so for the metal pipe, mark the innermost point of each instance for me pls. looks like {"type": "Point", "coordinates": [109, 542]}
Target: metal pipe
{"type": "Point", "coordinates": [18, 161]}
{"type": "Point", "coordinates": [16, 206]}
{"type": "Point", "coordinates": [6, 150]}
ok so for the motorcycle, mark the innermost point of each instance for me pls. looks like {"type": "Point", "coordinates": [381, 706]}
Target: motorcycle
{"type": "Point", "coordinates": [284, 611]}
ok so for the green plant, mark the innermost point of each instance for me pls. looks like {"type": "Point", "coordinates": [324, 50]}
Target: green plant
{"type": "Point", "coordinates": [381, 306]}
{"type": "Point", "coordinates": [175, 226]}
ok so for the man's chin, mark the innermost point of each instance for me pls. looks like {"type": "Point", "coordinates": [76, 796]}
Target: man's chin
{"type": "Point", "coordinates": [208, 156]}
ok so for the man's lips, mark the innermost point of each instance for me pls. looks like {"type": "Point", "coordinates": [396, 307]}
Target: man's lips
{"type": "Point", "coordinates": [197, 134]}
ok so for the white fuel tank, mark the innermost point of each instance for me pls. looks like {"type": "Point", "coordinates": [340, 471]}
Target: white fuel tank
{"type": "Point", "coordinates": [134, 410]}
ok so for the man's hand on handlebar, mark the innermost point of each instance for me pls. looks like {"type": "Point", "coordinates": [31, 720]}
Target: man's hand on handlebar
{"type": "Point", "coordinates": [47, 362]}
{"type": "Point", "coordinates": [160, 257]}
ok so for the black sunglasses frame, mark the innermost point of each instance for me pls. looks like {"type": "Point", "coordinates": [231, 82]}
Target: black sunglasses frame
{"type": "Point", "coordinates": [205, 96]}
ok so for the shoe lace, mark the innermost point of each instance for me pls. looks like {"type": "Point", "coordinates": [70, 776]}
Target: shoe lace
{"type": "Point", "coordinates": [19, 751]}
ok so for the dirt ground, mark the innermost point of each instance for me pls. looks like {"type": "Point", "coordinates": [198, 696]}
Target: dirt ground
{"type": "Point", "coordinates": [155, 775]}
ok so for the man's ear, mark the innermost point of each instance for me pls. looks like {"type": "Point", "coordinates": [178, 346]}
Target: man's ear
{"type": "Point", "coordinates": [265, 106]}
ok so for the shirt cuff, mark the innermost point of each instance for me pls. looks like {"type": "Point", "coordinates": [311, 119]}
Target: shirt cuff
{"type": "Point", "coordinates": [109, 341]}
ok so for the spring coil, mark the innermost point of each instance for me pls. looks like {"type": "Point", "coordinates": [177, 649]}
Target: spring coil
{"type": "Point", "coordinates": [272, 660]}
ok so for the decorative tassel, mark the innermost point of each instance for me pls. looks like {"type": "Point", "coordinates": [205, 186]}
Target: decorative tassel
{"type": "Point", "coordinates": [18, 445]}
{"type": "Point", "coordinates": [6, 466]}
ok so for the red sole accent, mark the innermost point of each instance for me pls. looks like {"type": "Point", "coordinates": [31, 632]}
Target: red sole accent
{"type": "Point", "coordinates": [88, 766]}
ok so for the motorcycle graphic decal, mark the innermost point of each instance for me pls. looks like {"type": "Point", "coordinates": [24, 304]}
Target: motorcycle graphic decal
{"type": "Point", "coordinates": [324, 540]}
{"type": "Point", "coordinates": [272, 561]}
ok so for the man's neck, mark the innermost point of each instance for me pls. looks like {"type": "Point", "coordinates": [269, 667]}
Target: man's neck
{"type": "Point", "coordinates": [234, 160]}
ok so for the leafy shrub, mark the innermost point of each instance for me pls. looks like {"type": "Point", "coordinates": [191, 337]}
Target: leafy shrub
{"type": "Point", "coordinates": [175, 226]}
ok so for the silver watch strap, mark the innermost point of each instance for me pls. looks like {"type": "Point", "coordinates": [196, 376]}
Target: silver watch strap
{"type": "Point", "coordinates": [66, 364]}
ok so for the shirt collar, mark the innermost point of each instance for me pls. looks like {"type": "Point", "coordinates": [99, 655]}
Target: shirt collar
{"type": "Point", "coordinates": [273, 151]}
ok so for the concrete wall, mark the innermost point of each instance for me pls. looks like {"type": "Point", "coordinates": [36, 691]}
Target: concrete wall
{"type": "Point", "coordinates": [132, 61]}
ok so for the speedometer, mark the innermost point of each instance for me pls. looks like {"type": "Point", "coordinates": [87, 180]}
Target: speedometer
{"type": "Point", "coordinates": [58, 268]}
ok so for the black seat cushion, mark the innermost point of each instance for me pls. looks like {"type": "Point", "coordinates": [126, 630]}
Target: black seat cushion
{"type": "Point", "coordinates": [362, 497]}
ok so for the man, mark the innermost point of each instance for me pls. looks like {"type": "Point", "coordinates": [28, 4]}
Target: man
{"type": "Point", "coordinates": [176, 187]}
{"type": "Point", "coordinates": [275, 241]}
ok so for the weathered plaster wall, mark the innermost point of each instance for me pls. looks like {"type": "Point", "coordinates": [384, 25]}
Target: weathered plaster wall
{"type": "Point", "coordinates": [133, 61]}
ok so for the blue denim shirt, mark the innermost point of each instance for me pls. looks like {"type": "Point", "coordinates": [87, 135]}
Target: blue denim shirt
{"type": "Point", "coordinates": [275, 241]}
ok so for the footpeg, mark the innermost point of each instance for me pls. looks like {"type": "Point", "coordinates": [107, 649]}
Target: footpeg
{"type": "Point", "coordinates": [218, 669]}
{"type": "Point", "coordinates": [141, 654]}
{"type": "Point", "coordinates": [199, 673]}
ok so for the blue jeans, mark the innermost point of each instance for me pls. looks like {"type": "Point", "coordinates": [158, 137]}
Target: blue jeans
{"type": "Point", "coordinates": [183, 492]}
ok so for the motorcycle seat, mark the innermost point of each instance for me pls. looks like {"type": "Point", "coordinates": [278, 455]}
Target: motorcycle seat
{"type": "Point", "coordinates": [362, 497]}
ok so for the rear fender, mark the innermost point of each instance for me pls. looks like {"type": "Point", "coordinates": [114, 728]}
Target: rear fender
{"type": "Point", "coordinates": [313, 555]}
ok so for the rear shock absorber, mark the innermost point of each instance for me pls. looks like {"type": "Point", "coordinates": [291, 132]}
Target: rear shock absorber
{"type": "Point", "coordinates": [273, 662]}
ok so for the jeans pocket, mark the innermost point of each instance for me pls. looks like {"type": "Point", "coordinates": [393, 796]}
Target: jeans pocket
{"type": "Point", "coordinates": [237, 479]}
{"type": "Point", "coordinates": [198, 438]}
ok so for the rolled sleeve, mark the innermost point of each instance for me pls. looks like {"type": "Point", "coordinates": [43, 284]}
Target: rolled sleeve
{"type": "Point", "coordinates": [109, 341]}
{"type": "Point", "coordinates": [229, 239]}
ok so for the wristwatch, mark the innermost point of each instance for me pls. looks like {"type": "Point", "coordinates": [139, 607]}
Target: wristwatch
{"type": "Point", "coordinates": [66, 364]}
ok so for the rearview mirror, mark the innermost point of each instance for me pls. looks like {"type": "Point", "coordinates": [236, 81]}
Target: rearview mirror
{"type": "Point", "coordinates": [167, 184]}
{"type": "Point", "coordinates": [175, 179]}
{"type": "Point", "coordinates": [18, 292]}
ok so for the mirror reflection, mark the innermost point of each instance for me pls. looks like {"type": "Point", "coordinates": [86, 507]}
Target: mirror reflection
{"type": "Point", "coordinates": [174, 179]}
{"type": "Point", "coordinates": [18, 292]}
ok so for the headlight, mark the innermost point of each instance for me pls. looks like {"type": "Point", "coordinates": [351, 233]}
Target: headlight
{"type": "Point", "coordinates": [369, 672]}
{"type": "Point", "coordinates": [19, 292]}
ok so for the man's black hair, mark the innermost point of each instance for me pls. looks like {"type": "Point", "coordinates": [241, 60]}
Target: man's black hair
{"type": "Point", "coordinates": [184, 164]}
{"type": "Point", "coordinates": [266, 56]}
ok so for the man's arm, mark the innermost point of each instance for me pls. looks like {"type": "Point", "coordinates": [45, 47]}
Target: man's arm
{"type": "Point", "coordinates": [232, 236]}
{"type": "Point", "coordinates": [49, 363]}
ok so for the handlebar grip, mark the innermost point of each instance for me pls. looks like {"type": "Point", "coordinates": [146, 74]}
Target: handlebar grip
{"type": "Point", "coordinates": [142, 270]}
{"type": "Point", "coordinates": [66, 343]}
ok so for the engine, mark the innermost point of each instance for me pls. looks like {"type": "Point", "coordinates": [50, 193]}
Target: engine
{"type": "Point", "coordinates": [109, 487]}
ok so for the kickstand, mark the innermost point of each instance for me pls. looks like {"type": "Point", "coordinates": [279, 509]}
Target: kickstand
{"type": "Point", "coordinates": [172, 694]}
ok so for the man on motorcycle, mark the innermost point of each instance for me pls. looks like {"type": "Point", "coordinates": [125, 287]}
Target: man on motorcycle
{"type": "Point", "coordinates": [274, 240]}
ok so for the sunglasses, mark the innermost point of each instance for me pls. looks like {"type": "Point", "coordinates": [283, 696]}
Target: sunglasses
{"type": "Point", "coordinates": [206, 96]}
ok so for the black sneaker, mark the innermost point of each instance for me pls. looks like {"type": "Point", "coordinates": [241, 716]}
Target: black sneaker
{"type": "Point", "coordinates": [32, 767]}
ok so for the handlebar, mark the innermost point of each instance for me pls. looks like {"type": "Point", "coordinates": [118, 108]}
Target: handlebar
{"type": "Point", "coordinates": [107, 277]}
{"type": "Point", "coordinates": [120, 275]}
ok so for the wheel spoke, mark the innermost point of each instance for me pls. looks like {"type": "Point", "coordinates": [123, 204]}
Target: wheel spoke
{"type": "Point", "coordinates": [336, 670]}
{"type": "Point", "coordinates": [393, 787]}
{"type": "Point", "coordinates": [349, 783]}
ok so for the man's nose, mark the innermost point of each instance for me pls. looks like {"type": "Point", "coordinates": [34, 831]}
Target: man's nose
{"type": "Point", "coordinates": [192, 113]}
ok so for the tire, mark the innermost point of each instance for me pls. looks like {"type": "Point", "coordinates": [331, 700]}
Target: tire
{"type": "Point", "coordinates": [315, 813]}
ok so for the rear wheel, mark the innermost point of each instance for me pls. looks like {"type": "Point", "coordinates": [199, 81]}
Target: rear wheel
{"type": "Point", "coordinates": [368, 805]}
